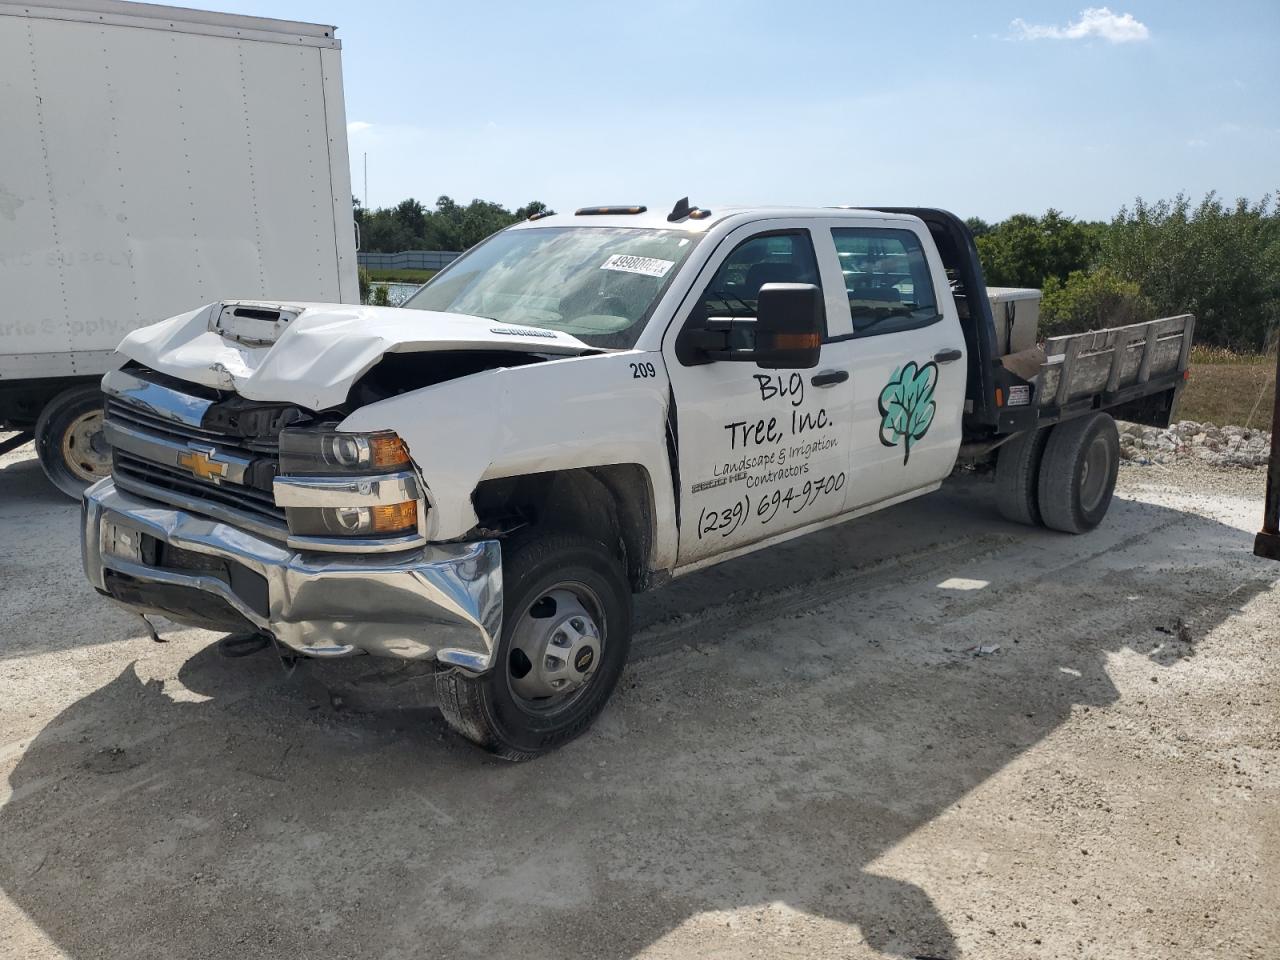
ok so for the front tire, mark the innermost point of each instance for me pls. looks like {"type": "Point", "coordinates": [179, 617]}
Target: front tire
{"type": "Point", "coordinates": [1078, 473]}
{"type": "Point", "coordinates": [69, 440]}
{"type": "Point", "coordinates": [565, 637]}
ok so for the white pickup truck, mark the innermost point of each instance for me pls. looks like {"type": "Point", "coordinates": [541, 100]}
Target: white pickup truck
{"type": "Point", "coordinates": [580, 408]}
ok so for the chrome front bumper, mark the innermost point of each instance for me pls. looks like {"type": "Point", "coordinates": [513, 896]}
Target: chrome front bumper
{"type": "Point", "coordinates": [441, 601]}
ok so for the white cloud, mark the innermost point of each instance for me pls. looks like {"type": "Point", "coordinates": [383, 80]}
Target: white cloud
{"type": "Point", "coordinates": [1196, 143]}
{"type": "Point", "coordinates": [358, 126]}
{"type": "Point", "coordinates": [1097, 22]}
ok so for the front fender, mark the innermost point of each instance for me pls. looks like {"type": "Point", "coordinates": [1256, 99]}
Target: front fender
{"type": "Point", "coordinates": [561, 414]}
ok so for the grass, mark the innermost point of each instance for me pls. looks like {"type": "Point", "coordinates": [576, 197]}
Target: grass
{"type": "Point", "coordinates": [1225, 388]}
{"type": "Point", "coordinates": [401, 276]}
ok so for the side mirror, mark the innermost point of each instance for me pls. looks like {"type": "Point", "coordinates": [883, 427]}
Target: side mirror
{"type": "Point", "coordinates": [788, 327]}
{"type": "Point", "coordinates": [785, 333]}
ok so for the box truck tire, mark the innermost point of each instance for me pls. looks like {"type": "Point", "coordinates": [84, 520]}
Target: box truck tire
{"type": "Point", "coordinates": [69, 440]}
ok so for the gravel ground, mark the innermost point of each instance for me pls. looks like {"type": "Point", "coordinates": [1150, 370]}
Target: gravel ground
{"type": "Point", "coordinates": [807, 758]}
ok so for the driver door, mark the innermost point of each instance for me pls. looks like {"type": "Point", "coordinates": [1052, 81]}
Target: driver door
{"type": "Point", "coordinates": [761, 452]}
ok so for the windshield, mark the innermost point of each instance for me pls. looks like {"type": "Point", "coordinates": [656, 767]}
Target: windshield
{"type": "Point", "coordinates": [598, 284]}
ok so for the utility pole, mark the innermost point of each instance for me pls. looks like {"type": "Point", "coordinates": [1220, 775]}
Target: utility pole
{"type": "Point", "coordinates": [365, 198]}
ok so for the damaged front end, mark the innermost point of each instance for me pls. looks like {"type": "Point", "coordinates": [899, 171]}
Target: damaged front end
{"type": "Point", "coordinates": [230, 513]}
{"type": "Point", "coordinates": [240, 499]}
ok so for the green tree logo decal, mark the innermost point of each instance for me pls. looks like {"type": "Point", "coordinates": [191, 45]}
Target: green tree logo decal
{"type": "Point", "coordinates": [907, 407]}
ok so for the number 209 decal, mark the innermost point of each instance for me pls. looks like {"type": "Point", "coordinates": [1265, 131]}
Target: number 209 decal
{"type": "Point", "coordinates": [643, 371]}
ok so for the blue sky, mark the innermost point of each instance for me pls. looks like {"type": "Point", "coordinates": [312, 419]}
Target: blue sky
{"type": "Point", "coordinates": [987, 109]}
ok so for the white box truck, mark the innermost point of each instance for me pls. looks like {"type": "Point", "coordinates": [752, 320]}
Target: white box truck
{"type": "Point", "coordinates": [154, 158]}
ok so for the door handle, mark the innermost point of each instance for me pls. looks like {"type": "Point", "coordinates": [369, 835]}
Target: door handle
{"type": "Point", "coordinates": [947, 356]}
{"type": "Point", "coordinates": [829, 378]}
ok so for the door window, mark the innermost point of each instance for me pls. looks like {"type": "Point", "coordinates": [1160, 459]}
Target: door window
{"type": "Point", "coordinates": [886, 276]}
{"type": "Point", "coordinates": [734, 291]}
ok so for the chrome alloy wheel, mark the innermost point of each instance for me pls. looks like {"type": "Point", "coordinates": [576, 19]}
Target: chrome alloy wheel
{"type": "Point", "coordinates": [556, 647]}
{"type": "Point", "coordinates": [84, 448]}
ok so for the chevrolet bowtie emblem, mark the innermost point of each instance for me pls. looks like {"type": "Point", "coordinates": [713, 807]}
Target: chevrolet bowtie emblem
{"type": "Point", "coordinates": [202, 465]}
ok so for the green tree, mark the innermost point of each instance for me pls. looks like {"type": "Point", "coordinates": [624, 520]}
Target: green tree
{"type": "Point", "coordinates": [1218, 261]}
{"type": "Point", "coordinates": [411, 215]}
{"type": "Point", "coordinates": [533, 208]}
{"type": "Point", "coordinates": [977, 226]}
{"type": "Point", "coordinates": [1024, 250]}
{"type": "Point", "coordinates": [380, 231]}
{"type": "Point", "coordinates": [450, 226]}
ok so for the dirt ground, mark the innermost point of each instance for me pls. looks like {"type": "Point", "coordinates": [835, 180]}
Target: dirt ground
{"type": "Point", "coordinates": [806, 758]}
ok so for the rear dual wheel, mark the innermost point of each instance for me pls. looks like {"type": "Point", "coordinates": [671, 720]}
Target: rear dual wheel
{"type": "Point", "coordinates": [1078, 473]}
{"type": "Point", "coordinates": [1061, 477]}
{"type": "Point", "coordinates": [565, 637]}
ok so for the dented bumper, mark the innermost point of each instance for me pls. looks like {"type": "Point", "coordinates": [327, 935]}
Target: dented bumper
{"type": "Point", "coordinates": [441, 601]}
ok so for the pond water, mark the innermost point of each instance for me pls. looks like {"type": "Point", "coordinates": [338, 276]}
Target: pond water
{"type": "Point", "coordinates": [398, 293]}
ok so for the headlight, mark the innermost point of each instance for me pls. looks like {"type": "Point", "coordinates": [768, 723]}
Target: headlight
{"type": "Point", "coordinates": [353, 521]}
{"type": "Point", "coordinates": [338, 484]}
{"type": "Point", "coordinates": [306, 452]}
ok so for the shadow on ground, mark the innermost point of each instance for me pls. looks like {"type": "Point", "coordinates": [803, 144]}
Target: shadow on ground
{"type": "Point", "coordinates": [236, 813]}
{"type": "Point", "coordinates": [22, 480]}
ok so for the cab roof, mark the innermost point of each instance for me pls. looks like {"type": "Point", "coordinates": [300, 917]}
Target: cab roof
{"type": "Point", "coordinates": [656, 219]}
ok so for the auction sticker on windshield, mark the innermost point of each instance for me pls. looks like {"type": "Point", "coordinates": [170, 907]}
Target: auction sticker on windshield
{"type": "Point", "coordinates": [646, 266]}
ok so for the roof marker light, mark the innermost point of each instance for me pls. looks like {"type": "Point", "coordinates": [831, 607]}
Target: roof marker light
{"type": "Point", "coordinates": [607, 211]}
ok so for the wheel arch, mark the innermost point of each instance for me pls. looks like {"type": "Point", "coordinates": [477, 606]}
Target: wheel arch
{"type": "Point", "coordinates": [613, 503]}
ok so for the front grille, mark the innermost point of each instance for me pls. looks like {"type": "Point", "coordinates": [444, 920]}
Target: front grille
{"type": "Point", "coordinates": [156, 424]}
{"type": "Point", "coordinates": [137, 471]}
{"type": "Point", "coordinates": [134, 416]}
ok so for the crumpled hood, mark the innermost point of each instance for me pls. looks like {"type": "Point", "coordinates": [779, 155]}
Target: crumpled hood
{"type": "Point", "coordinates": [311, 353]}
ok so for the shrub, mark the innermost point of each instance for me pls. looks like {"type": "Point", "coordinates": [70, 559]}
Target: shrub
{"type": "Point", "coordinates": [1091, 301]}
{"type": "Point", "coordinates": [365, 284]}
{"type": "Point", "coordinates": [1218, 261]}
{"type": "Point", "coordinates": [381, 296]}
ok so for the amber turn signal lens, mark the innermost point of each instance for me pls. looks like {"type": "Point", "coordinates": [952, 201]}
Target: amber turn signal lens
{"type": "Point", "coordinates": [796, 341]}
{"type": "Point", "coordinates": [999, 397]}
{"type": "Point", "coordinates": [395, 517]}
{"type": "Point", "coordinates": [387, 450]}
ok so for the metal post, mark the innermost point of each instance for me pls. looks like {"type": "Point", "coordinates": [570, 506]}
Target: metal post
{"type": "Point", "coordinates": [1267, 543]}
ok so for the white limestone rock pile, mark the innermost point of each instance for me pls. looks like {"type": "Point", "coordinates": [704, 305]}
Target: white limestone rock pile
{"type": "Point", "coordinates": [1206, 442]}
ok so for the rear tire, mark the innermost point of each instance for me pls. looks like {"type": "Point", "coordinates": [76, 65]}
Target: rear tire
{"type": "Point", "coordinates": [1018, 477]}
{"type": "Point", "coordinates": [1078, 473]}
{"type": "Point", "coordinates": [565, 637]}
{"type": "Point", "coordinates": [70, 442]}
